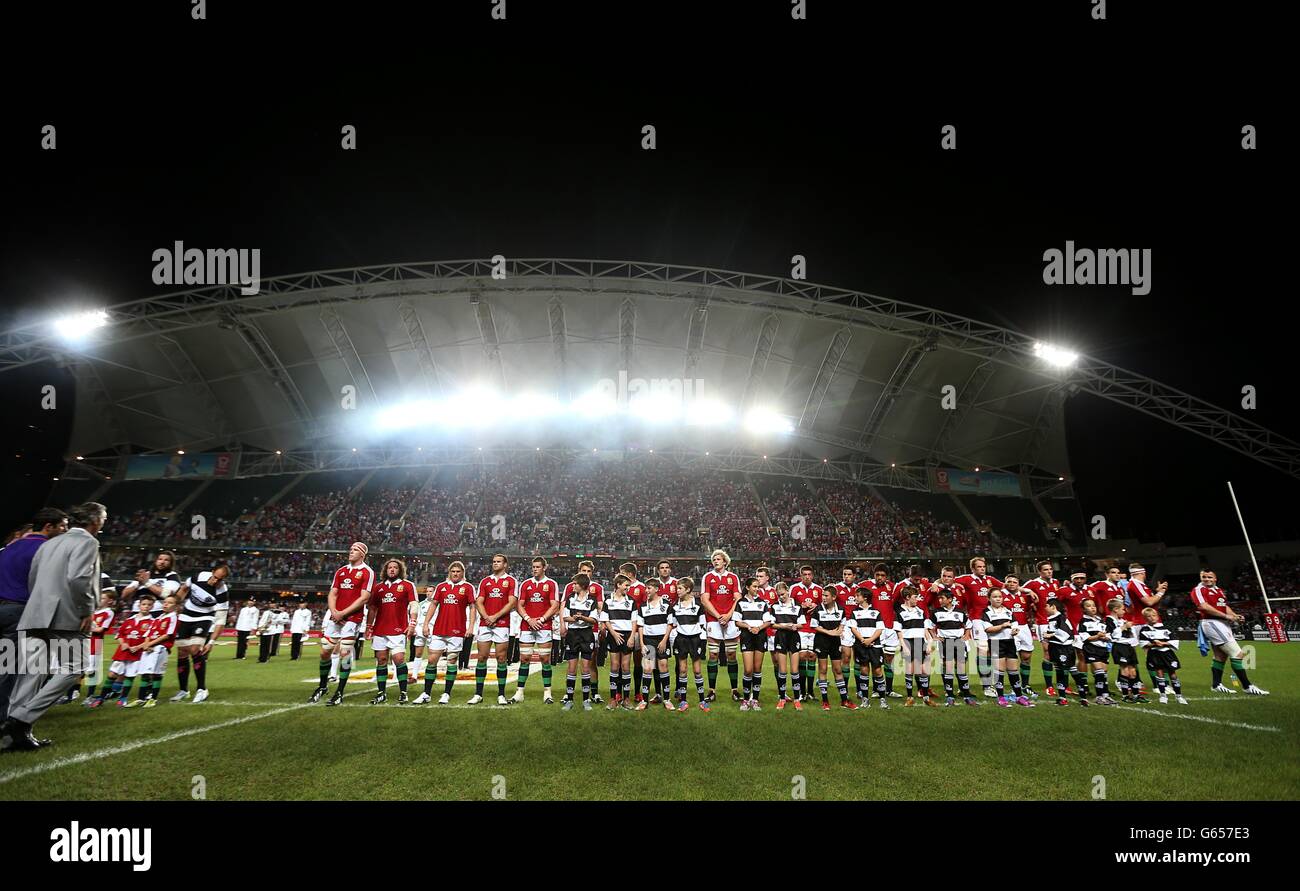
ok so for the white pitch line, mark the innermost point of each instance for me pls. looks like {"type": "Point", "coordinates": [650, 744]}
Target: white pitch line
{"type": "Point", "coordinates": [1201, 718]}
{"type": "Point", "coordinates": [71, 760]}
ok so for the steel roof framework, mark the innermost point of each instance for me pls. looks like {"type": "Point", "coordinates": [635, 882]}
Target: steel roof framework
{"type": "Point", "coordinates": [164, 314]}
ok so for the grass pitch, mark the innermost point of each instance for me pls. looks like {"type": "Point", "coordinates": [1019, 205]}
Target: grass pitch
{"type": "Point", "coordinates": [257, 738]}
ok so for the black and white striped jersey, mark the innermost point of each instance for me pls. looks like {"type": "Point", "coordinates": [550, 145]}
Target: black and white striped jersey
{"type": "Point", "coordinates": [867, 619]}
{"type": "Point", "coordinates": [1059, 629]}
{"type": "Point", "coordinates": [204, 598]}
{"type": "Point", "coordinates": [1115, 628]}
{"type": "Point", "coordinates": [828, 617]}
{"type": "Point", "coordinates": [688, 619]}
{"type": "Point", "coordinates": [653, 618]}
{"type": "Point", "coordinates": [750, 614]}
{"type": "Point", "coordinates": [996, 616]}
{"type": "Point", "coordinates": [1090, 625]}
{"type": "Point", "coordinates": [1151, 634]}
{"type": "Point", "coordinates": [910, 621]}
{"type": "Point", "coordinates": [575, 607]}
{"type": "Point", "coordinates": [618, 613]}
{"type": "Point", "coordinates": [170, 583]}
{"type": "Point", "coordinates": [787, 613]}
{"type": "Point", "coordinates": [949, 624]}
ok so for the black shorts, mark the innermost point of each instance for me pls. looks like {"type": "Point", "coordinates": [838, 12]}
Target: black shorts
{"type": "Point", "coordinates": [1163, 659]}
{"type": "Point", "coordinates": [1003, 649]}
{"type": "Point", "coordinates": [753, 643]}
{"type": "Point", "coordinates": [647, 641]}
{"type": "Point", "coordinates": [579, 645]}
{"type": "Point", "coordinates": [202, 628]}
{"type": "Point", "coordinates": [865, 655]}
{"type": "Point", "coordinates": [827, 647]}
{"type": "Point", "coordinates": [1094, 653]}
{"type": "Point", "coordinates": [1061, 654]}
{"type": "Point", "coordinates": [786, 641]}
{"type": "Point", "coordinates": [612, 646]}
{"type": "Point", "coordinates": [690, 646]}
{"type": "Point", "coordinates": [1123, 654]}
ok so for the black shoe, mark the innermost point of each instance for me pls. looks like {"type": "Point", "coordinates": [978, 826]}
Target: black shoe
{"type": "Point", "coordinates": [317, 694]}
{"type": "Point", "coordinates": [336, 699]}
{"type": "Point", "coordinates": [380, 699]}
{"type": "Point", "coordinates": [401, 699]}
{"type": "Point", "coordinates": [17, 737]}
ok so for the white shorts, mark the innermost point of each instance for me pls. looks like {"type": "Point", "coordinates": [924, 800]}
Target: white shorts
{"type": "Point", "coordinates": [771, 643]}
{"type": "Point", "coordinates": [516, 623]}
{"type": "Point", "coordinates": [1220, 634]}
{"type": "Point", "coordinates": [484, 634]}
{"type": "Point", "coordinates": [381, 642]}
{"type": "Point", "coordinates": [438, 644]}
{"type": "Point", "coordinates": [806, 639]}
{"type": "Point", "coordinates": [418, 640]}
{"type": "Point", "coordinates": [1024, 641]}
{"type": "Point", "coordinates": [717, 632]}
{"type": "Point", "coordinates": [1044, 632]}
{"type": "Point", "coordinates": [846, 637]}
{"type": "Point", "coordinates": [335, 631]}
{"type": "Point", "coordinates": [154, 661]}
{"type": "Point", "coordinates": [540, 636]}
{"type": "Point", "coordinates": [125, 669]}
{"type": "Point", "coordinates": [978, 632]}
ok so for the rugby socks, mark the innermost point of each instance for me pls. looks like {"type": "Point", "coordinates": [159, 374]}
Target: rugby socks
{"type": "Point", "coordinates": [733, 670]}
{"type": "Point", "coordinates": [999, 687]}
{"type": "Point", "coordinates": [842, 686]}
{"type": "Point", "coordinates": [1047, 673]}
{"type": "Point", "coordinates": [1100, 682]}
{"type": "Point", "coordinates": [1017, 687]}
{"type": "Point", "coordinates": [822, 687]}
{"type": "Point", "coordinates": [1216, 673]}
{"type": "Point", "coordinates": [523, 673]}
{"type": "Point", "coordinates": [947, 685]}
{"type": "Point", "coordinates": [844, 670]}
{"type": "Point", "coordinates": [889, 678]}
{"type": "Point", "coordinates": [809, 676]}
{"type": "Point", "coordinates": [122, 688]}
{"type": "Point", "coordinates": [615, 685]}
{"type": "Point", "coordinates": [183, 673]}
{"type": "Point", "coordinates": [402, 676]}
{"type": "Point", "coordinates": [924, 681]}
{"type": "Point", "coordinates": [503, 674]}
{"type": "Point", "coordinates": [1160, 684]}
{"type": "Point", "coordinates": [480, 676]}
{"type": "Point", "coordinates": [1080, 684]}
{"type": "Point", "coordinates": [546, 675]}
{"type": "Point", "coordinates": [325, 672]}
{"type": "Point", "coordinates": [1123, 683]}
{"type": "Point", "coordinates": [864, 689]}
{"type": "Point", "coordinates": [1026, 674]}
{"type": "Point", "coordinates": [780, 684]}
{"type": "Point", "coordinates": [643, 687]}
{"type": "Point", "coordinates": [345, 669]}
{"type": "Point", "coordinates": [882, 688]}
{"type": "Point", "coordinates": [713, 674]}
{"type": "Point", "coordinates": [681, 686]}
{"type": "Point", "coordinates": [1176, 684]}
{"type": "Point", "coordinates": [796, 682]}
{"type": "Point", "coordinates": [1240, 671]}
{"type": "Point", "coordinates": [570, 681]}
{"type": "Point", "coordinates": [963, 685]}
{"type": "Point", "coordinates": [381, 677]}
{"type": "Point", "coordinates": [587, 687]}
{"type": "Point", "coordinates": [200, 671]}
{"type": "Point", "coordinates": [748, 684]}
{"type": "Point", "coordinates": [663, 687]}
{"type": "Point", "coordinates": [431, 678]}
{"type": "Point", "coordinates": [909, 681]}
{"type": "Point", "coordinates": [699, 686]}
{"type": "Point", "coordinates": [757, 688]}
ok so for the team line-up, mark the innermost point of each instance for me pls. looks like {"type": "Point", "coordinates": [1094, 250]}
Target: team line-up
{"type": "Point", "coordinates": [817, 634]}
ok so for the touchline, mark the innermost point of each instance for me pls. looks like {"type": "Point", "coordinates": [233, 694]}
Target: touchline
{"type": "Point", "coordinates": [92, 845]}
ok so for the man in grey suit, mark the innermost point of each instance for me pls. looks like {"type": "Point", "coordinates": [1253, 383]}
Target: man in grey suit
{"type": "Point", "coordinates": [64, 582]}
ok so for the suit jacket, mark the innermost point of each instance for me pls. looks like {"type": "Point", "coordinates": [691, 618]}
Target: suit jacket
{"type": "Point", "coordinates": [64, 582]}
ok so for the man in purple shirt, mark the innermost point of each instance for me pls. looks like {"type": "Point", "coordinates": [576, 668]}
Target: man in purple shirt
{"type": "Point", "coordinates": [15, 563]}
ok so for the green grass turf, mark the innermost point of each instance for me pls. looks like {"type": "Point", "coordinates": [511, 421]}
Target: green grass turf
{"type": "Point", "coordinates": [281, 751]}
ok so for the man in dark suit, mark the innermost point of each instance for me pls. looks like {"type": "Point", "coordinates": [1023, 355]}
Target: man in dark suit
{"type": "Point", "coordinates": [64, 584]}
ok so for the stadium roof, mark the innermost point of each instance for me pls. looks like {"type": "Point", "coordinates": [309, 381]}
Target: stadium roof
{"type": "Point", "coordinates": [860, 378]}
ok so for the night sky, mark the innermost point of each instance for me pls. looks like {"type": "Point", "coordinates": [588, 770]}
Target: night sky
{"type": "Point", "coordinates": [523, 138]}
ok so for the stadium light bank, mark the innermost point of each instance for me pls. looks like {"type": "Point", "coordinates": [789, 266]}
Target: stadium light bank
{"type": "Point", "coordinates": [77, 327]}
{"type": "Point", "coordinates": [1057, 357]}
